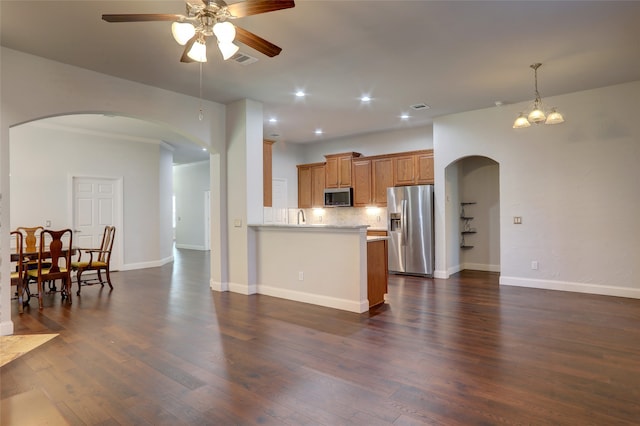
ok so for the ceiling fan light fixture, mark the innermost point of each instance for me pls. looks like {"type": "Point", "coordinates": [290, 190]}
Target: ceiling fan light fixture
{"type": "Point", "coordinates": [198, 51]}
{"type": "Point", "coordinates": [225, 32]}
{"type": "Point", "coordinates": [227, 49]}
{"type": "Point", "coordinates": [182, 32]}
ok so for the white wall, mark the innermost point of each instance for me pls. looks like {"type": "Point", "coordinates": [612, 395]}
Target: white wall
{"type": "Point", "coordinates": [190, 181]}
{"type": "Point", "coordinates": [43, 160]}
{"type": "Point", "coordinates": [286, 156]}
{"type": "Point", "coordinates": [400, 140]}
{"type": "Point", "coordinates": [575, 185]}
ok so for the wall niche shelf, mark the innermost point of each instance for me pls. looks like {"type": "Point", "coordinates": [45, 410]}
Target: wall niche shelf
{"type": "Point", "coordinates": [466, 225]}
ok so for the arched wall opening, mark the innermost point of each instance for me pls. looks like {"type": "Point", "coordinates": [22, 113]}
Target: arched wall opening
{"type": "Point", "coordinates": [472, 225]}
{"type": "Point", "coordinates": [34, 88]}
{"type": "Point", "coordinates": [130, 161]}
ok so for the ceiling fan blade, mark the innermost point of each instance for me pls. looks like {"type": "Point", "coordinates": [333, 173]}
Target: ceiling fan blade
{"type": "Point", "coordinates": [255, 7]}
{"type": "Point", "coordinates": [256, 42]}
{"type": "Point", "coordinates": [142, 17]}
{"type": "Point", "coordinates": [187, 47]}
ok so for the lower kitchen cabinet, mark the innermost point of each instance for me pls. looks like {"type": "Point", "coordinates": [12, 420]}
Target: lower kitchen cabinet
{"type": "Point", "coordinates": [377, 271]}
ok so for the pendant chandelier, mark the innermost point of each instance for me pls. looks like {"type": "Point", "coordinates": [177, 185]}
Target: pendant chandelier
{"type": "Point", "coordinates": [537, 114]}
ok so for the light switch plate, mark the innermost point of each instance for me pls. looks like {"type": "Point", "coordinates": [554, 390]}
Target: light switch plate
{"type": "Point", "coordinates": [237, 223]}
{"type": "Point", "coordinates": [517, 220]}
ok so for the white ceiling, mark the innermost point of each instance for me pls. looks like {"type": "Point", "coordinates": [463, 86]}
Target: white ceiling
{"type": "Point", "coordinates": [452, 55]}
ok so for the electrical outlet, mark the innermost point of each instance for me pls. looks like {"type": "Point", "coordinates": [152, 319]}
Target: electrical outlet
{"type": "Point", "coordinates": [534, 265]}
{"type": "Point", "coordinates": [300, 276]}
{"type": "Point", "coordinates": [47, 223]}
{"type": "Point", "coordinates": [237, 223]}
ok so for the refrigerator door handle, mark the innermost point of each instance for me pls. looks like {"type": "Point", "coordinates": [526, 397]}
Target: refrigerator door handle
{"type": "Point", "coordinates": [405, 227]}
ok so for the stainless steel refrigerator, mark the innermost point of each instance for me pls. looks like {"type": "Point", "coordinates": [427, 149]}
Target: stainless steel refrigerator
{"type": "Point", "coordinates": [410, 229]}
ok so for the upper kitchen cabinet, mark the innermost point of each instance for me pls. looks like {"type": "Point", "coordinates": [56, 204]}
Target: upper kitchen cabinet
{"type": "Point", "coordinates": [404, 170]}
{"type": "Point", "coordinates": [381, 179]}
{"type": "Point", "coordinates": [267, 172]}
{"type": "Point", "coordinates": [362, 194]}
{"type": "Point", "coordinates": [311, 183]}
{"type": "Point", "coordinates": [413, 168]}
{"type": "Point", "coordinates": [338, 169]}
{"type": "Point", "coordinates": [424, 163]}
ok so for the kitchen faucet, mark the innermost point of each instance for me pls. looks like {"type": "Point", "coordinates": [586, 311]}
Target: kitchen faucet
{"type": "Point", "coordinates": [303, 219]}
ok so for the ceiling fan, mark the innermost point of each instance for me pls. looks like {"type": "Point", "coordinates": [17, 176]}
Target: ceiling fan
{"type": "Point", "coordinates": [205, 18]}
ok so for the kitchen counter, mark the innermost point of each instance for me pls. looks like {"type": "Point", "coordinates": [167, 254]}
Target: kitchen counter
{"type": "Point", "coordinates": [337, 266]}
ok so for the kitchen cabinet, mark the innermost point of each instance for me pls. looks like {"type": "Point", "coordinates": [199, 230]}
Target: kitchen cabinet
{"type": "Point", "coordinates": [267, 172]}
{"type": "Point", "coordinates": [381, 179]}
{"type": "Point", "coordinates": [424, 164]}
{"type": "Point", "coordinates": [377, 271]}
{"type": "Point", "coordinates": [338, 169]}
{"type": "Point", "coordinates": [311, 184]}
{"type": "Point", "coordinates": [362, 194]}
{"type": "Point", "coordinates": [404, 170]}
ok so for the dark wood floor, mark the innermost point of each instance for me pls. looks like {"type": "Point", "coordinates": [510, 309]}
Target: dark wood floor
{"type": "Point", "coordinates": [163, 349]}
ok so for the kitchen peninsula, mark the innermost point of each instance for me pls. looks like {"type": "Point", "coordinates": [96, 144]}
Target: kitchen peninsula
{"type": "Point", "coordinates": [324, 265]}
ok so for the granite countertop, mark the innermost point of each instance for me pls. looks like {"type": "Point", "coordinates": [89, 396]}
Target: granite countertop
{"type": "Point", "coordinates": [372, 239]}
{"type": "Point", "coordinates": [307, 225]}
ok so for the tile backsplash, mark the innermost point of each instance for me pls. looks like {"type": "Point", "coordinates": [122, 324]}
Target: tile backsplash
{"type": "Point", "coordinates": [375, 217]}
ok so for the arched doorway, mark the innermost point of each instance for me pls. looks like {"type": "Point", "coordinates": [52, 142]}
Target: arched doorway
{"type": "Point", "coordinates": [472, 191]}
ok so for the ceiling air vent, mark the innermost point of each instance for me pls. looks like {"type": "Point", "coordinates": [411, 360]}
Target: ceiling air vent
{"type": "Point", "coordinates": [243, 58]}
{"type": "Point", "coordinates": [420, 106]}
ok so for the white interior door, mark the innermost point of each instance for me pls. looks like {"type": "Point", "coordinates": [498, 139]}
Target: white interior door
{"type": "Point", "coordinates": [279, 200]}
{"type": "Point", "coordinates": [95, 205]}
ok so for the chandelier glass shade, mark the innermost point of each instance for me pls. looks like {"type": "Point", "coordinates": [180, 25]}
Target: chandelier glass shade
{"type": "Point", "coordinates": [537, 115]}
{"type": "Point", "coordinates": [182, 32]}
{"type": "Point", "coordinates": [198, 51]}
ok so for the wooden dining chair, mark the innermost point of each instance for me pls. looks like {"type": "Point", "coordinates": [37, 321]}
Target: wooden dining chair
{"type": "Point", "coordinates": [30, 236]}
{"type": "Point", "coordinates": [95, 259]}
{"type": "Point", "coordinates": [54, 261]}
{"type": "Point", "coordinates": [17, 272]}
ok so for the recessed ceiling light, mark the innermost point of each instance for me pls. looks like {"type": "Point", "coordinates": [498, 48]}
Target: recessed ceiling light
{"type": "Point", "coordinates": [300, 94]}
{"type": "Point", "coordinates": [404, 116]}
{"type": "Point", "coordinates": [273, 120]}
{"type": "Point", "coordinates": [204, 149]}
{"type": "Point", "coordinates": [365, 98]}
{"type": "Point", "coordinates": [319, 131]}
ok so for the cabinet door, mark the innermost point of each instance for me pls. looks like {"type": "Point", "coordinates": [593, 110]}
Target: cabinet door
{"type": "Point", "coordinates": [344, 172]}
{"type": "Point", "coordinates": [331, 172]}
{"type": "Point", "coordinates": [304, 187]}
{"type": "Point", "coordinates": [425, 168]}
{"type": "Point", "coordinates": [381, 179]}
{"type": "Point", "coordinates": [361, 183]}
{"type": "Point", "coordinates": [317, 186]}
{"type": "Point", "coordinates": [267, 173]}
{"type": "Point", "coordinates": [404, 170]}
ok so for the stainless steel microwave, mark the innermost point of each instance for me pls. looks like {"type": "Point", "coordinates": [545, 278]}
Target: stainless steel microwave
{"type": "Point", "coordinates": [338, 197]}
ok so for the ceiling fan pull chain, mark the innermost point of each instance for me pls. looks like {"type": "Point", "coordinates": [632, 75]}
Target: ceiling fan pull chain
{"type": "Point", "coordinates": [201, 115]}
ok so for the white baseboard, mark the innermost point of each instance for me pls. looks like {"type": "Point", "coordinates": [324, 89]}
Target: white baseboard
{"type": "Point", "coordinates": [243, 288]}
{"type": "Point", "coordinates": [481, 267]}
{"type": "Point", "coordinates": [315, 299]}
{"type": "Point", "coordinates": [190, 247]}
{"type": "Point", "coordinates": [443, 275]}
{"type": "Point", "coordinates": [144, 265]}
{"type": "Point", "coordinates": [218, 286]}
{"type": "Point", "coordinates": [604, 290]}
{"type": "Point", "coordinates": [6, 328]}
